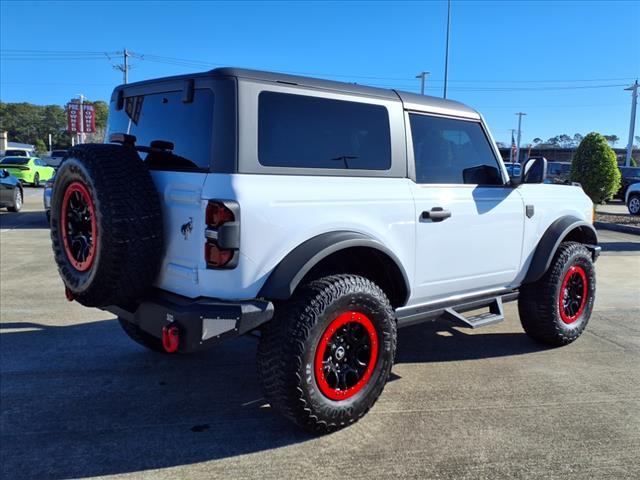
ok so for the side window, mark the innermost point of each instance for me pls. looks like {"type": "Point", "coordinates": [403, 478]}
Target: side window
{"type": "Point", "coordinates": [301, 131]}
{"type": "Point", "coordinates": [452, 151]}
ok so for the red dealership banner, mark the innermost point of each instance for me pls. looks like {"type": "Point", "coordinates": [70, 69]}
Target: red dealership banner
{"type": "Point", "coordinates": [73, 117]}
{"type": "Point", "coordinates": [87, 117]}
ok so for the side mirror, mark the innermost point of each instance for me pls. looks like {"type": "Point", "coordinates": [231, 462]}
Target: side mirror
{"type": "Point", "coordinates": [482, 175]}
{"type": "Point", "coordinates": [4, 173]}
{"type": "Point", "coordinates": [535, 170]}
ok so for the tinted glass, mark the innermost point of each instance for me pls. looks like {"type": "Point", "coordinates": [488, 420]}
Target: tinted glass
{"type": "Point", "coordinates": [16, 153]}
{"type": "Point", "coordinates": [165, 116]}
{"type": "Point", "coordinates": [310, 132]}
{"type": "Point", "coordinates": [15, 161]}
{"type": "Point", "coordinates": [443, 148]}
{"type": "Point", "coordinates": [58, 153]}
{"type": "Point", "coordinates": [630, 171]}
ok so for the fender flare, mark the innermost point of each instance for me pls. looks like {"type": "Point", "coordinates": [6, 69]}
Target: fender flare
{"type": "Point", "coordinates": [551, 240]}
{"type": "Point", "coordinates": [288, 274]}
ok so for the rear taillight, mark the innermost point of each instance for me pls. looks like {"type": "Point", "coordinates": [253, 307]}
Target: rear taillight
{"type": "Point", "coordinates": [222, 234]}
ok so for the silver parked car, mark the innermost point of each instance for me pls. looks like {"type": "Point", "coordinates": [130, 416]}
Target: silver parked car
{"type": "Point", "coordinates": [46, 197]}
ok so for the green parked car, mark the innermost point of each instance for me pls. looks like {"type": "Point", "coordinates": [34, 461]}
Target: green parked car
{"type": "Point", "coordinates": [28, 169]}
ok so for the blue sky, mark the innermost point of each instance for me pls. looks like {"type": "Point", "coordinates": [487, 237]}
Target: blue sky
{"type": "Point", "coordinates": [505, 57]}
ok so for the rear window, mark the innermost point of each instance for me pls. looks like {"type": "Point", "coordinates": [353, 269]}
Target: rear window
{"type": "Point", "coordinates": [164, 116]}
{"type": "Point", "coordinates": [58, 153]}
{"type": "Point", "coordinates": [14, 161]}
{"type": "Point", "coordinates": [309, 132]}
{"type": "Point", "coordinates": [15, 153]}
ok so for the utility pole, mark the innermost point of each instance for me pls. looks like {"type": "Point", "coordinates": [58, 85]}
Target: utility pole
{"type": "Point", "coordinates": [446, 53]}
{"type": "Point", "coordinates": [520, 114]}
{"type": "Point", "coordinates": [126, 66]}
{"type": "Point", "coordinates": [423, 78]}
{"type": "Point", "coordinates": [634, 100]}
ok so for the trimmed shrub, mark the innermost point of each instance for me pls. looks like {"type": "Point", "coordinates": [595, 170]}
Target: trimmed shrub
{"type": "Point", "coordinates": [594, 166]}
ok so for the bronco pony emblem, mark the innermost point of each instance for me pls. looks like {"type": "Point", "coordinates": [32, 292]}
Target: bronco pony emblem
{"type": "Point", "coordinates": [187, 228]}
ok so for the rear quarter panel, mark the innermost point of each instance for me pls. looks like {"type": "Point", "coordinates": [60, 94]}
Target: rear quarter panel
{"type": "Point", "coordinates": [278, 213]}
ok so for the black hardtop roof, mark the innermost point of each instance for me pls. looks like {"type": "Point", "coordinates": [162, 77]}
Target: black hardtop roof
{"type": "Point", "coordinates": [408, 98]}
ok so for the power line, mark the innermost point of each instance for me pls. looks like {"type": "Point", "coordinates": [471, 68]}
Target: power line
{"type": "Point", "coordinates": [405, 83]}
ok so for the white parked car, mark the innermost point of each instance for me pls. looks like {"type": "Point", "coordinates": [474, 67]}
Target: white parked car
{"type": "Point", "coordinates": [324, 214]}
{"type": "Point", "coordinates": [632, 198]}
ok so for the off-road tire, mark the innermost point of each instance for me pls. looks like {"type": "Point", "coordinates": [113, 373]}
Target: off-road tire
{"type": "Point", "coordinates": [539, 302]}
{"type": "Point", "coordinates": [17, 201]}
{"type": "Point", "coordinates": [140, 336]}
{"type": "Point", "coordinates": [634, 204]}
{"type": "Point", "coordinates": [288, 344]}
{"type": "Point", "coordinates": [128, 243]}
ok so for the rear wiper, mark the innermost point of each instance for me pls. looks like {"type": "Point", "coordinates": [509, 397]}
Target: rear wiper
{"type": "Point", "coordinates": [158, 151]}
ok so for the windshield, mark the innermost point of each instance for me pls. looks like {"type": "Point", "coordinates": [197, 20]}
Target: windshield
{"type": "Point", "coordinates": [164, 116]}
{"type": "Point", "coordinates": [14, 161]}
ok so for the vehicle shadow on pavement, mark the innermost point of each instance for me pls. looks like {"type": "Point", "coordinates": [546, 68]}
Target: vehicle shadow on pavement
{"type": "Point", "coordinates": [439, 341]}
{"type": "Point", "coordinates": [84, 400]}
{"type": "Point", "coordinates": [23, 220]}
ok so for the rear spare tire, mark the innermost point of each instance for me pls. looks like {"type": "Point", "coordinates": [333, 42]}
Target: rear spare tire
{"type": "Point", "coordinates": [106, 225]}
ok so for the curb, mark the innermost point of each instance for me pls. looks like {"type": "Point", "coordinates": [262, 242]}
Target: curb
{"type": "Point", "coordinates": [616, 227]}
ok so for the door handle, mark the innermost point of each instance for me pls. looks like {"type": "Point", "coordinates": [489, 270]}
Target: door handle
{"type": "Point", "coordinates": [436, 214]}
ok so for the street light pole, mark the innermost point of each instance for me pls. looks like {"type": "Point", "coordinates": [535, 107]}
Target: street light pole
{"type": "Point", "coordinates": [423, 78]}
{"type": "Point", "coordinates": [520, 114]}
{"type": "Point", "coordinates": [632, 125]}
{"type": "Point", "coordinates": [446, 53]}
{"type": "Point", "coordinates": [81, 132]}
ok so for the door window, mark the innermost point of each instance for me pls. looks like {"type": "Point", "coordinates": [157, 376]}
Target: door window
{"type": "Point", "coordinates": [452, 151]}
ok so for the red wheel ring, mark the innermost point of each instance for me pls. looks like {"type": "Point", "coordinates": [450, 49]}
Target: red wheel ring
{"type": "Point", "coordinates": [79, 226]}
{"type": "Point", "coordinates": [573, 294]}
{"type": "Point", "coordinates": [346, 355]}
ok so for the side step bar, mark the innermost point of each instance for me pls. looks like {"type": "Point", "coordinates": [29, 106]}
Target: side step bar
{"type": "Point", "coordinates": [453, 311]}
{"type": "Point", "coordinates": [494, 315]}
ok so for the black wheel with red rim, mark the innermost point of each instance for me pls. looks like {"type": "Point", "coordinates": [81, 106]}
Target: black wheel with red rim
{"type": "Point", "coordinates": [346, 355]}
{"type": "Point", "coordinates": [556, 309]}
{"type": "Point", "coordinates": [324, 359]}
{"type": "Point", "coordinates": [79, 226]}
{"type": "Point", "coordinates": [573, 294]}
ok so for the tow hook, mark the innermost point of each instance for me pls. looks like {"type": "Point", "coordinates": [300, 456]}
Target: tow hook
{"type": "Point", "coordinates": [170, 338]}
{"type": "Point", "coordinates": [68, 293]}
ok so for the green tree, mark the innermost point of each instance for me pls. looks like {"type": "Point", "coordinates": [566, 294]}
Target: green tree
{"type": "Point", "coordinates": [577, 138]}
{"type": "Point", "coordinates": [41, 147]}
{"type": "Point", "coordinates": [595, 167]}
{"type": "Point", "coordinates": [612, 139]}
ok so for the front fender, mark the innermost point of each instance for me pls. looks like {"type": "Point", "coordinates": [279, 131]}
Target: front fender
{"type": "Point", "coordinates": [551, 240]}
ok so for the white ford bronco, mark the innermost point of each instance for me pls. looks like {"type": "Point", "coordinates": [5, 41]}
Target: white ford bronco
{"type": "Point", "coordinates": [322, 215]}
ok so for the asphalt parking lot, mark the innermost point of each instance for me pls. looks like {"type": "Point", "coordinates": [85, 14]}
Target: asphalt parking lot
{"type": "Point", "coordinates": [79, 399]}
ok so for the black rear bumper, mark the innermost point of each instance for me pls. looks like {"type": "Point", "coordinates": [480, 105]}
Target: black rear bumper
{"type": "Point", "coordinates": [201, 322]}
